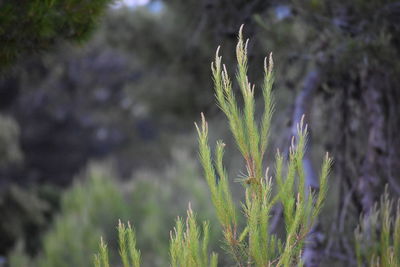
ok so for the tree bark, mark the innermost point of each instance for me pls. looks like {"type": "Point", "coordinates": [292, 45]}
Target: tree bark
{"type": "Point", "coordinates": [381, 159]}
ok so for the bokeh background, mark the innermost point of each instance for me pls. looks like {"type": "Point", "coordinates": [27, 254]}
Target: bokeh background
{"type": "Point", "coordinates": [98, 100]}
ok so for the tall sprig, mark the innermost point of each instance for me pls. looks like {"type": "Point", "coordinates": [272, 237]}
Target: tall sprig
{"type": "Point", "coordinates": [187, 248]}
{"type": "Point", "coordinates": [255, 245]}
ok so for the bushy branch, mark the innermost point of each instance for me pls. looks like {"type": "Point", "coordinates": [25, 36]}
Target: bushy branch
{"type": "Point", "coordinates": [186, 248]}
{"type": "Point", "coordinates": [101, 258]}
{"type": "Point", "coordinates": [130, 256]}
{"type": "Point", "coordinates": [127, 246]}
{"type": "Point", "coordinates": [377, 237]}
{"type": "Point", "coordinates": [255, 245]}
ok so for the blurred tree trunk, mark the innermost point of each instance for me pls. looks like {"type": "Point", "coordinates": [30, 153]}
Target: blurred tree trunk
{"type": "Point", "coordinates": [367, 152]}
{"type": "Point", "coordinates": [381, 159]}
{"type": "Point", "coordinates": [364, 127]}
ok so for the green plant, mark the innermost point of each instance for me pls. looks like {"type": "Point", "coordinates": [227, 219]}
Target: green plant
{"type": "Point", "coordinates": [158, 198]}
{"type": "Point", "coordinates": [377, 237]}
{"type": "Point", "coordinates": [32, 26]}
{"type": "Point", "coordinates": [97, 200]}
{"type": "Point", "coordinates": [186, 249]}
{"type": "Point", "coordinates": [186, 246]}
{"type": "Point", "coordinates": [127, 248]}
{"type": "Point", "coordinates": [88, 210]}
{"type": "Point", "coordinates": [254, 245]}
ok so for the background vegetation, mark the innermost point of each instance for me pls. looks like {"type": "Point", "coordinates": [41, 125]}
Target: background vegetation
{"type": "Point", "coordinates": [94, 81]}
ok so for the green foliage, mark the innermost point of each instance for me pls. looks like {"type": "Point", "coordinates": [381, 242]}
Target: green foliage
{"type": "Point", "coordinates": [255, 245]}
{"type": "Point", "coordinates": [186, 248]}
{"type": "Point", "coordinates": [377, 237]}
{"type": "Point", "coordinates": [87, 211]}
{"type": "Point", "coordinates": [101, 259]}
{"type": "Point", "coordinates": [92, 207]}
{"type": "Point", "coordinates": [127, 249]}
{"type": "Point", "coordinates": [30, 26]}
{"type": "Point", "coordinates": [127, 245]}
{"type": "Point", "coordinates": [156, 204]}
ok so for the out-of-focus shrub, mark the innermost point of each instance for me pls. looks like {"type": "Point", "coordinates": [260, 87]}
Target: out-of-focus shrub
{"type": "Point", "coordinates": [377, 237]}
{"type": "Point", "coordinates": [24, 214]}
{"type": "Point", "coordinates": [90, 208]}
{"type": "Point", "coordinates": [151, 202]}
{"type": "Point", "coordinates": [156, 203]}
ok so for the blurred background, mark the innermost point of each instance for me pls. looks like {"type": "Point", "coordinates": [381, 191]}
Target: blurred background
{"type": "Point", "coordinates": [98, 100]}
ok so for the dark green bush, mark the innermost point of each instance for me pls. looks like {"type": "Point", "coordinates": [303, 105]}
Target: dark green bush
{"type": "Point", "coordinates": [30, 26]}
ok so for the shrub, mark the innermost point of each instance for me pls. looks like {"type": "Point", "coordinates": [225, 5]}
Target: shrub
{"type": "Point", "coordinates": [88, 210]}
{"type": "Point", "coordinates": [254, 244]}
{"type": "Point", "coordinates": [377, 237]}
{"type": "Point", "coordinates": [95, 203]}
